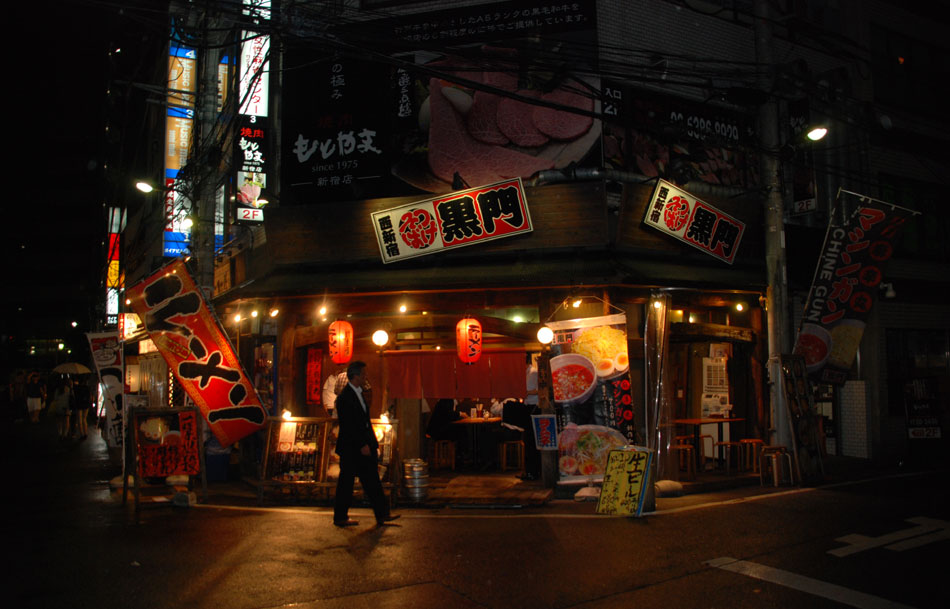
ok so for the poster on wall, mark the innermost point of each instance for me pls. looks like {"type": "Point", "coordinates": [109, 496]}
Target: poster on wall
{"type": "Point", "coordinates": [314, 374]}
{"type": "Point", "coordinates": [473, 99]}
{"type": "Point", "coordinates": [850, 270]}
{"type": "Point", "coordinates": [107, 354]}
{"type": "Point", "coordinates": [198, 353]}
{"type": "Point", "coordinates": [590, 371]}
{"type": "Point", "coordinates": [661, 136]}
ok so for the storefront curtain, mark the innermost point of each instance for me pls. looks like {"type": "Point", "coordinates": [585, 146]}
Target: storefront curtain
{"type": "Point", "coordinates": [508, 375]}
{"type": "Point", "coordinates": [404, 375]}
{"type": "Point", "coordinates": [438, 374]}
{"type": "Point", "coordinates": [473, 380]}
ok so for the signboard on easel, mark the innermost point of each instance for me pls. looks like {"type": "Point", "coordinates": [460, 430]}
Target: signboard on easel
{"type": "Point", "coordinates": [163, 442]}
{"type": "Point", "coordinates": [625, 482]}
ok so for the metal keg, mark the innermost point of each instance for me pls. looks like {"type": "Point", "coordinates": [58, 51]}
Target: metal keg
{"type": "Point", "coordinates": [415, 479]}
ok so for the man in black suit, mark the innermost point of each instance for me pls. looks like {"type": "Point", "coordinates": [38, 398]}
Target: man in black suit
{"type": "Point", "coordinates": [357, 447]}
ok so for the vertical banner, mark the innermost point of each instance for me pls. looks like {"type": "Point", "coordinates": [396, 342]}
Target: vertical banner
{"type": "Point", "coordinates": [107, 354]}
{"type": "Point", "coordinates": [197, 351]}
{"type": "Point", "coordinates": [314, 374]}
{"type": "Point", "coordinates": [845, 286]}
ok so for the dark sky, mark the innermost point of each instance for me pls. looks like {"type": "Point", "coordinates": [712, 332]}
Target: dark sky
{"type": "Point", "coordinates": [55, 222]}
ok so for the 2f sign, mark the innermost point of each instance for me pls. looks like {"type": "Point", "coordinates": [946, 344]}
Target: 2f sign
{"type": "Point", "coordinates": [250, 214]}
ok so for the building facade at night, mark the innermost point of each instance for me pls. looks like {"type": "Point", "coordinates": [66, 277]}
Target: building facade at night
{"type": "Point", "coordinates": [536, 163]}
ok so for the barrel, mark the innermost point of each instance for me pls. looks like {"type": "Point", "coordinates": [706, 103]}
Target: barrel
{"type": "Point", "coordinates": [415, 479]}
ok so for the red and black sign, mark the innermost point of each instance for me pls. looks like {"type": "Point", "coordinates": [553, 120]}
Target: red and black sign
{"type": "Point", "coordinates": [197, 351]}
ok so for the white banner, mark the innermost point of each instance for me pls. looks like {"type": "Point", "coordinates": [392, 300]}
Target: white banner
{"type": "Point", "coordinates": [693, 221]}
{"type": "Point", "coordinates": [107, 355]}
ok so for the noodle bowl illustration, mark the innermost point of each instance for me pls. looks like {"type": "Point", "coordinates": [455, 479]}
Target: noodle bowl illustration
{"type": "Point", "coordinates": [573, 377]}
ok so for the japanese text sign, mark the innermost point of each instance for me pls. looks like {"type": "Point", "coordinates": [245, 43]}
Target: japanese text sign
{"type": "Point", "coordinates": [190, 339]}
{"type": "Point", "coordinates": [545, 431]}
{"type": "Point", "coordinates": [846, 282]}
{"type": "Point", "coordinates": [455, 220]}
{"type": "Point", "coordinates": [167, 443]}
{"type": "Point", "coordinates": [680, 214]}
{"type": "Point", "coordinates": [625, 482]}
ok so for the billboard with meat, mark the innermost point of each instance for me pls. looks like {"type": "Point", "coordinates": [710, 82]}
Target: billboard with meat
{"type": "Point", "coordinates": [511, 90]}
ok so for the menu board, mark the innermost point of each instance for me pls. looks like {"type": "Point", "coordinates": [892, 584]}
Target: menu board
{"type": "Point", "coordinates": [625, 482]}
{"type": "Point", "coordinates": [166, 442]}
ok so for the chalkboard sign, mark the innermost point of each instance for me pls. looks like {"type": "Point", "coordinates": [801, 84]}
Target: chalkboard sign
{"type": "Point", "coordinates": [625, 482]}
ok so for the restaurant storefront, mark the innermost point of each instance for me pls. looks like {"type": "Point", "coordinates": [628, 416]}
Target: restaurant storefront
{"type": "Point", "coordinates": [583, 261]}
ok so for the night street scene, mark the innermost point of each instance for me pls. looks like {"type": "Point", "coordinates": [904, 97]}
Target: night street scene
{"type": "Point", "coordinates": [402, 303]}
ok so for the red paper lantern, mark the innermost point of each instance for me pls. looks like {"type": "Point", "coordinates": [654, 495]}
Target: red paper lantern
{"type": "Point", "coordinates": [341, 342]}
{"type": "Point", "coordinates": [468, 340]}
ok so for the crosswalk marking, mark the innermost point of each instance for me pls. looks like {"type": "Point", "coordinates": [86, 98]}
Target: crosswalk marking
{"type": "Point", "coordinates": [928, 530]}
{"type": "Point", "coordinates": [795, 581]}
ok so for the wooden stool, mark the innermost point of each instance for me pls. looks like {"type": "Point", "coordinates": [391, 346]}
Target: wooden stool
{"type": "Point", "coordinates": [750, 452]}
{"type": "Point", "coordinates": [729, 446]}
{"type": "Point", "coordinates": [687, 459]}
{"type": "Point", "coordinates": [443, 454]}
{"type": "Point", "coordinates": [770, 460]}
{"type": "Point", "coordinates": [503, 449]}
{"type": "Point", "coordinates": [702, 448]}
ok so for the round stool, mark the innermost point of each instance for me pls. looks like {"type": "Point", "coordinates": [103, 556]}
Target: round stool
{"type": "Point", "coordinates": [687, 459]}
{"type": "Point", "coordinates": [750, 448]}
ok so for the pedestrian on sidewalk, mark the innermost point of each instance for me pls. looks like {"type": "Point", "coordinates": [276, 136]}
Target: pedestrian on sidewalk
{"type": "Point", "coordinates": [60, 408]}
{"type": "Point", "coordinates": [35, 395]}
{"type": "Point", "coordinates": [357, 447]}
{"type": "Point", "coordinates": [81, 403]}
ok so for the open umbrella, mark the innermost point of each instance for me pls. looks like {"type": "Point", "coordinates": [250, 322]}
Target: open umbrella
{"type": "Point", "coordinates": [72, 368]}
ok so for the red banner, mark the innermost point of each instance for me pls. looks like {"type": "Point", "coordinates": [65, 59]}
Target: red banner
{"type": "Point", "coordinates": [197, 351]}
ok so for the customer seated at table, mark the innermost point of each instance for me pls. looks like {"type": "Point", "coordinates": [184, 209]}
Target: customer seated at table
{"type": "Point", "coordinates": [440, 422]}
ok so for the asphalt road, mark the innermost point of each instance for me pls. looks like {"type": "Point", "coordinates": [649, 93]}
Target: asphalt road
{"type": "Point", "coordinates": [879, 542]}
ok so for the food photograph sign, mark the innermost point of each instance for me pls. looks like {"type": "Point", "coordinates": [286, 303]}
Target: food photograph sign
{"type": "Point", "coordinates": [693, 221]}
{"type": "Point", "coordinates": [455, 220]}
{"type": "Point", "coordinates": [590, 374]}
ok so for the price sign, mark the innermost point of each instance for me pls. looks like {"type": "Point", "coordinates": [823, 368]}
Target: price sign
{"type": "Point", "coordinates": [625, 482]}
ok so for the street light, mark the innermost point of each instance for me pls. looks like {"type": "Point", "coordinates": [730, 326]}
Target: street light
{"type": "Point", "coordinates": [144, 186]}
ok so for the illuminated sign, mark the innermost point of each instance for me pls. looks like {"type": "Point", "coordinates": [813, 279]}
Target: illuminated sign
{"type": "Point", "coordinates": [454, 220]}
{"type": "Point", "coordinates": [255, 70]}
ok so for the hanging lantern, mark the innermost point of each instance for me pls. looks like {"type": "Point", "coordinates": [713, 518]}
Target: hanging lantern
{"type": "Point", "coordinates": [341, 342]}
{"type": "Point", "coordinates": [468, 340]}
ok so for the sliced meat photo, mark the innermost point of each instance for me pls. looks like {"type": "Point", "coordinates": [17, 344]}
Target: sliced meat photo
{"type": "Point", "coordinates": [562, 124]}
{"type": "Point", "coordinates": [452, 149]}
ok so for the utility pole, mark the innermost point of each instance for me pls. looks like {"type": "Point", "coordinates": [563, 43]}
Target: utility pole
{"type": "Point", "coordinates": [777, 294]}
{"type": "Point", "coordinates": [207, 152]}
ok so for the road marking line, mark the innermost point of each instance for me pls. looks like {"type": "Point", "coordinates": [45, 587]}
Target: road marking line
{"type": "Point", "coordinates": [809, 585]}
{"type": "Point", "coordinates": [927, 531]}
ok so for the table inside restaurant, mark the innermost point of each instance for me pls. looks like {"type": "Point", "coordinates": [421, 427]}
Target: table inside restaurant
{"type": "Point", "coordinates": [474, 424]}
{"type": "Point", "coordinates": [697, 425]}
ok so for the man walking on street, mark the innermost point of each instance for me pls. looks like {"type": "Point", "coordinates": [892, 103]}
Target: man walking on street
{"type": "Point", "coordinates": [357, 447]}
